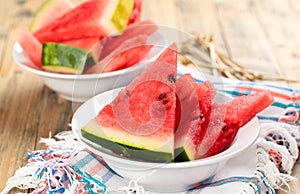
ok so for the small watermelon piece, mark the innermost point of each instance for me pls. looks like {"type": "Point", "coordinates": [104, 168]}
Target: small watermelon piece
{"type": "Point", "coordinates": [194, 105]}
{"type": "Point", "coordinates": [129, 53]}
{"type": "Point", "coordinates": [127, 58]}
{"type": "Point", "coordinates": [49, 11]}
{"type": "Point", "coordinates": [111, 43]}
{"type": "Point", "coordinates": [32, 48]}
{"type": "Point", "coordinates": [60, 58]}
{"type": "Point", "coordinates": [139, 123]}
{"type": "Point", "coordinates": [93, 18]}
{"type": "Point", "coordinates": [227, 119]}
{"type": "Point", "coordinates": [112, 53]}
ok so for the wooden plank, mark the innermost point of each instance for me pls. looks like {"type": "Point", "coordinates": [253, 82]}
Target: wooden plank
{"type": "Point", "coordinates": [5, 20]}
{"type": "Point", "coordinates": [283, 34]}
{"type": "Point", "coordinates": [19, 18]}
{"type": "Point", "coordinates": [199, 17]}
{"type": "Point", "coordinates": [247, 42]}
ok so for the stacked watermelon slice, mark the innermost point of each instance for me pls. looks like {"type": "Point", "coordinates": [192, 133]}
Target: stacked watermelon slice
{"type": "Point", "coordinates": [161, 118]}
{"type": "Point", "coordinates": [60, 25]}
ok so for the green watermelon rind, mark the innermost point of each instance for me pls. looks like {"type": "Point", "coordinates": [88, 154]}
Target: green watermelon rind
{"type": "Point", "coordinates": [63, 58]}
{"type": "Point", "coordinates": [126, 150]}
{"type": "Point", "coordinates": [100, 135]}
{"type": "Point", "coordinates": [181, 155]}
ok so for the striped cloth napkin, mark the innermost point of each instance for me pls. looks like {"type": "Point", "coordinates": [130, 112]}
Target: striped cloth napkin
{"type": "Point", "coordinates": [251, 172]}
{"type": "Point", "coordinates": [239, 172]}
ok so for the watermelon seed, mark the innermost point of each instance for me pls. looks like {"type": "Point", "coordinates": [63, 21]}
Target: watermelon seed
{"type": "Point", "coordinates": [172, 78]}
{"type": "Point", "coordinates": [163, 97]}
{"type": "Point", "coordinates": [127, 93]}
{"type": "Point", "coordinates": [202, 116]}
{"type": "Point", "coordinates": [224, 128]}
{"type": "Point", "coordinates": [165, 101]}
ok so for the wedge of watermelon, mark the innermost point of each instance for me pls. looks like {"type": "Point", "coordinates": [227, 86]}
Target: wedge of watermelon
{"type": "Point", "coordinates": [112, 52]}
{"type": "Point", "coordinates": [129, 53]}
{"type": "Point", "coordinates": [49, 11]}
{"type": "Point", "coordinates": [32, 48]}
{"type": "Point", "coordinates": [139, 123]}
{"type": "Point", "coordinates": [227, 119]}
{"type": "Point", "coordinates": [92, 18]}
{"type": "Point", "coordinates": [110, 44]}
{"type": "Point", "coordinates": [194, 105]}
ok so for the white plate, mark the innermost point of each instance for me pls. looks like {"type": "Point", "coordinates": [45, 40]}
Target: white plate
{"type": "Point", "coordinates": [163, 177]}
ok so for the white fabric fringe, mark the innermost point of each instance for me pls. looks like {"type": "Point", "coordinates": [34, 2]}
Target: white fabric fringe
{"type": "Point", "coordinates": [268, 174]}
{"type": "Point", "coordinates": [23, 179]}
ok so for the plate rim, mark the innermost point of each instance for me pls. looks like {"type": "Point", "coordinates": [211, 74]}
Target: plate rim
{"type": "Point", "coordinates": [213, 159]}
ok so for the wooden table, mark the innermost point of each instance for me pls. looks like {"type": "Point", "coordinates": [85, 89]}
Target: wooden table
{"type": "Point", "coordinates": [263, 35]}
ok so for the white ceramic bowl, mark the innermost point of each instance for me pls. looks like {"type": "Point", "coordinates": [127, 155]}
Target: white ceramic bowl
{"type": "Point", "coordinates": [79, 88]}
{"type": "Point", "coordinates": [161, 177]}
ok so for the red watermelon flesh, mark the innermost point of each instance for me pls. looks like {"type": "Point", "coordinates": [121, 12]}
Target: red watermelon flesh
{"type": "Point", "coordinates": [110, 43]}
{"type": "Point", "coordinates": [130, 52]}
{"type": "Point", "coordinates": [49, 11]}
{"type": "Point", "coordinates": [32, 48]}
{"type": "Point", "coordinates": [142, 116]}
{"type": "Point", "coordinates": [81, 22]}
{"type": "Point", "coordinates": [161, 72]}
{"type": "Point", "coordinates": [227, 119]}
{"type": "Point", "coordinates": [136, 13]}
{"type": "Point", "coordinates": [128, 58]}
{"type": "Point", "coordinates": [83, 43]}
{"type": "Point", "coordinates": [194, 104]}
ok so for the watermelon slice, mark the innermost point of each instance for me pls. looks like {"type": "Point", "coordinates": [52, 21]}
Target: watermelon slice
{"type": "Point", "coordinates": [139, 123]}
{"type": "Point", "coordinates": [60, 58]}
{"type": "Point", "coordinates": [129, 53]}
{"type": "Point", "coordinates": [127, 58]}
{"type": "Point", "coordinates": [32, 48]}
{"type": "Point", "coordinates": [93, 18]}
{"type": "Point", "coordinates": [109, 44]}
{"type": "Point", "coordinates": [194, 105]}
{"type": "Point", "coordinates": [227, 119]}
{"type": "Point", "coordinates": [145, 28]}
{"type": "Point", "coordinates": [119, 52]}
{"type": "Point", "coordinates": [49, 11]}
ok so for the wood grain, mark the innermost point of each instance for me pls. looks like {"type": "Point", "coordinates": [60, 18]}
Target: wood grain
{"type": "Point", "coordinates": [262, 35]}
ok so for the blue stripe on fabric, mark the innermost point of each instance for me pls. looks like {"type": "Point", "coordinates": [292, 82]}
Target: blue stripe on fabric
{"type": "Point", "coordinates": [107, 176]}
{"type": "Point", "coordinates": [279, 87]}
{"type": "Point", "coordinates": [84, 161]}
{"type": "Point", "coordinates": [267, 118]}
{"type": "Point", "coordinates": [284, 106]}
{"type": "Point", "coordinates": [233, 93]}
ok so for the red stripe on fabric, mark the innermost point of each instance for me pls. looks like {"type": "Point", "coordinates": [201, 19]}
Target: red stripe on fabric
{"type": "Point", "coordinates": [96, 168]}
